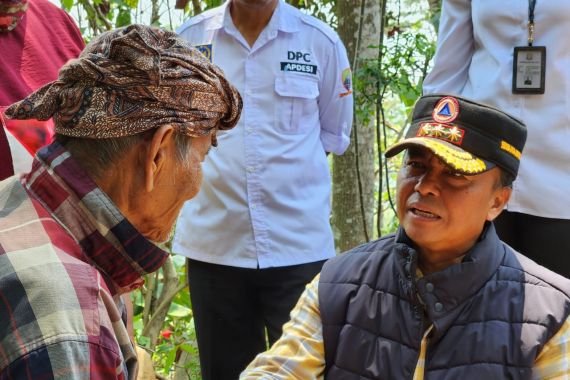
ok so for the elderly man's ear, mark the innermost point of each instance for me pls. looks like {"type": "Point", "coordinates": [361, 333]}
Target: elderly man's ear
{"type": "Point", "coordinates": [498, 202]}
{"type": "Point", "coordinates": [157, 154]}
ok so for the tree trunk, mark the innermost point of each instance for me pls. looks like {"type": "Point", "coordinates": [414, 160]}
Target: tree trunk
{"type": "Point", "coordinates": [353, 179]}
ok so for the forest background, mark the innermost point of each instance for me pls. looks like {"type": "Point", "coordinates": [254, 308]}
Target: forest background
{"type": "Point", "coordinates": [390, 44]}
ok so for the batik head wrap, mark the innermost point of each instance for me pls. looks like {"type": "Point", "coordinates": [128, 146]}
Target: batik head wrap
{"type": "Point", "coordinates": [133, 79]}
{"type": "Point", "coordinates": [11, 13]}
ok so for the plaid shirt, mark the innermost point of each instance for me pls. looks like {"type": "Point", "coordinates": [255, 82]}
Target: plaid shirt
{"type": "Point", "coordinates": [66, 254]}
{"type": "Point", "coordinates": [300, 354]}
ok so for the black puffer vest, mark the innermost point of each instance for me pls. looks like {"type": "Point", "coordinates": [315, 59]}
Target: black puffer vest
{"type": "Point", "coordinates": [491, 314]}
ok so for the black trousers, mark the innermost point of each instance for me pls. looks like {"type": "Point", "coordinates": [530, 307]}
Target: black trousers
{"type": "Point", "coordinates": [234, 307]}
{"type": "Point", "coordinates": [544, 240]}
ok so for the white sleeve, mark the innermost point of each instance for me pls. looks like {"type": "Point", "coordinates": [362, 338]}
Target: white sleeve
{"type": "Point", "coordinates": [455, 46]}
{"type": "Point", "coordinates": [336, 101]}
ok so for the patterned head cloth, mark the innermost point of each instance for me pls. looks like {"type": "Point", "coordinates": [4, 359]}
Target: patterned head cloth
{"type": "Point", "coordinates": [133, 79]}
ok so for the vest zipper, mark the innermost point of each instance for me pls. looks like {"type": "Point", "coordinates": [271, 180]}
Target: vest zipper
{"type": "Point", "coordinates": [421, 364]}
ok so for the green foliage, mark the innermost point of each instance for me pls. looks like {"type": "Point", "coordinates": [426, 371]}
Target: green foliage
{"type": "Point", "coordinates": [177, 334]}
{"type": "Point", "coordinates": [386, 88]}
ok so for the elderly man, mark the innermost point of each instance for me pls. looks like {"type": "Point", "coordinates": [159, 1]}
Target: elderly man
{"type": "Point", "coordinates": [443, 298]}
{"type": "Point", "coordinates": [135, 116]}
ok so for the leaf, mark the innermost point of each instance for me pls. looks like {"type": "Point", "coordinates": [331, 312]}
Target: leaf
{"type": "Point", "coordinates": [179, 311]}
{"type": "Point", "coordinates": [170, 359]}
{"type": "Point", "coordinates": [67, 4]}
{"type": "Point", "coordinates": [188, 348]}
{"type": "Point", "coordinates": [124, 18]}
{"type": "Point", "coordinates": [144, 341]}
{"type": "Point", "coordinates": [131, 3]}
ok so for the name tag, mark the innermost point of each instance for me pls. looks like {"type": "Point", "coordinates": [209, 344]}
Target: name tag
{"type": "Point", "coordinates": [529, 67]}
{"type": "Point", "coordinates": [299, 67]}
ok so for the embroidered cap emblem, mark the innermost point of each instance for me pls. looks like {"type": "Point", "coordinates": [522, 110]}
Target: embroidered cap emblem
{"type": "Point", "coordinates": [446, 110]}
{"type": "Point", "coordinates": [449, 133]}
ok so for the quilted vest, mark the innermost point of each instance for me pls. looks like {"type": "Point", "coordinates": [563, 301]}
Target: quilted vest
{"type": "Point", "coordinates": [491, 314]}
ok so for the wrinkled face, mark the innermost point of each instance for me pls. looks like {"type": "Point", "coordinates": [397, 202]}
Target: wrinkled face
{"type": "Point", "coordinates": [442, 210]}
{"type": "Point", "coordinates": [188, 177]}
{"type": "Point", "coordinates": [176, 182]}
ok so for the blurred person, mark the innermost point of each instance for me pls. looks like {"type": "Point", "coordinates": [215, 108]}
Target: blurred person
{"type": "Point", "coordinates": [36, 39]}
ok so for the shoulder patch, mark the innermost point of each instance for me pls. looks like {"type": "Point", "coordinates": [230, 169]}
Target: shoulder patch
{"type": "Point", "coordinates": [206, 50]}
{"type": "Point", "coordinates": [321, 26]}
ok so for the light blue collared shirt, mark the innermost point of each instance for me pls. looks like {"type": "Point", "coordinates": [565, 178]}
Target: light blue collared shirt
{"type": "Point", "coordinates": [265, 198]}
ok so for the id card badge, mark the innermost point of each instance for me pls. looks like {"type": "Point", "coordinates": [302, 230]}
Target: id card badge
{"type": "Point", "coordinates": [529, 65]}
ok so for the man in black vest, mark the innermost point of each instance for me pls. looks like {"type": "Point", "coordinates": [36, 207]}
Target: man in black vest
{"type": "Point", "coordinates": [443, 298]}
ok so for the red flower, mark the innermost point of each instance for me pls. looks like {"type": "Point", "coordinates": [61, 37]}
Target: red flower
{"type": "Point", "coordinates": [166, 334]}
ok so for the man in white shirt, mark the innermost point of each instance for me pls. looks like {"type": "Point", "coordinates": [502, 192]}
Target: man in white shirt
{"type": "Point", "coordinates": [474, 58]}
{"type": "Point", "coordinates": [259, 229]}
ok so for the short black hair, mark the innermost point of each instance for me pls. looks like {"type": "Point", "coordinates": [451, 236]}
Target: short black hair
{"type": "Point", "coordinates": [506, 179]}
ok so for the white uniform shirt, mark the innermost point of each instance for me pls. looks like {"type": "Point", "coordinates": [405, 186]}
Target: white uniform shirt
{"type": "Point", "coordinates": [475, 59]}
{"type": "Point", "coordinates": [265, 199]}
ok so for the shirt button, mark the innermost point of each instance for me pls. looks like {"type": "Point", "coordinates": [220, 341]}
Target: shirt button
{"type": "Point", "coordinates": [250, 169]}
{"type": "Point", "coordinates": [438, 307]}
{"type": "Point", "coordinates": [253, 206]}
{"type": "Point", "coordinates": [429, 287]}
{"type": "Point", "coordinates": [249, 129]}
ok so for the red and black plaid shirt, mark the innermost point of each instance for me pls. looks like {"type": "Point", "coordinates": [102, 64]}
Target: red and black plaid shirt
{"type": "Point", "coordinates": [66, 253]}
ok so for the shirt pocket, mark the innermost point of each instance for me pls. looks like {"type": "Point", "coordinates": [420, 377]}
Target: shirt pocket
{"type": "Point", "coordinates": [297, 107]}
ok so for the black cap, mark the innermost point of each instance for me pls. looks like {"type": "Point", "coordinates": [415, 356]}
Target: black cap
{"type": "Point", "coordinates": [470, 137]}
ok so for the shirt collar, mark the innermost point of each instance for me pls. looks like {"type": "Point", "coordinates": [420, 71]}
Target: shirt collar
{"type": "Point", "coordinates": [108, 240]}
{"type": "Point", "coordinates": [453, 285]}
{"type": "Point", "coordinates": [283, 19]}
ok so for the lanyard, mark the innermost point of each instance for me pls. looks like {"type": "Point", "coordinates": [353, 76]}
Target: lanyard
{"type": "Point", "coordinates": [531, 5]}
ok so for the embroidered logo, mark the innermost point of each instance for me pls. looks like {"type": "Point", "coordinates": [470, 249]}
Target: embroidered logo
{"type": "Point", "coordinates": [449, 133]}
{"type": "Point", "coordinates": [346, 78]}
{"type": "Point", "coordinates": [206, 50]}
{"type": "Point", "coordinates": [446, 110]}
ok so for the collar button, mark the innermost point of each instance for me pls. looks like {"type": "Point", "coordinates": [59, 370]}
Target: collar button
{"type": "Point", "coordinates": [438, 307]}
